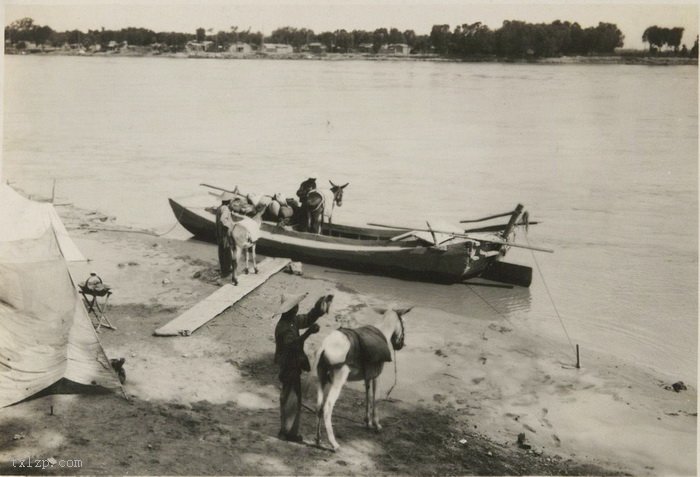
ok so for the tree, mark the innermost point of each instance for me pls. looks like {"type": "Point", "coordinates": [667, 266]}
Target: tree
{"type": "Point", "coordinates": [422, 44]}
{"type": "Point", "coordinates": [472, 39]}
{"type": "Point", "coordinates": [654, 36]}
{"type": "Point", "coordinates": [380, 37]}
{"type": "Point", "coordinates": [440, 38]}
{"type": "Point", "coordinates": [396, 37]}
{"type": "Point", "coordinates": [410, 38]}
{"type": "Point", "coordinates": [514, 38]}
{"type": "Point", "coordinates": [361, 36]}
{"type": "Point", "coordinates": [607, 38]}
{"type": "Point", "coordinates": [673, 38]}
{"type": "Point", "coordinates": [23, 24]}
{"type": "Point", "coordinates": [694, 49]}
{"type": "Point", "coordinates": [343, 40]}
{"type": "Point", "coordinates": [201, 34]}
{"type": "Point", "coordinates": [327, 39]}
{"type": "Point", "coordinates": [74, 36]}
{"type": "Point", "coordinates": [20, 30]}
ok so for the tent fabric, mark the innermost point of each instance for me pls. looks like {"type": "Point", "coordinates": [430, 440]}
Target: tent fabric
{"type": "Point", "coordinates": [24, 219]}
{"type": "Point", "coordinates": [45, 331]}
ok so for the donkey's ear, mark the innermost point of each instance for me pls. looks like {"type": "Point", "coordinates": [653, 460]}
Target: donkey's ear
{"type": "Point", "coordinates": [403, 311]}
{"type": "Point", "coordinates": [333, 185]}
{"type": "Point", "coordinates": [344, 186]}
{"type": "Point", "coordinates": [381, 311]}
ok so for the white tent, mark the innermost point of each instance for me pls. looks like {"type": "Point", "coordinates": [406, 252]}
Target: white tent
{"type": "Point", "coordinates": [45, 332]}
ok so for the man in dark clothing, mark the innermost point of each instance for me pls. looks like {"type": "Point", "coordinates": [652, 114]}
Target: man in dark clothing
{"type": "Point", "coordinates": [223, 222]}
{"type": "Point", "coordinates": [307, 186]}
{"type": "Point", "coordinates": [290, 356]}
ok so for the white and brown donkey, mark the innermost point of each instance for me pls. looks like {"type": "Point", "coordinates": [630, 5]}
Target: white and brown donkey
{"type": "Point", "coordinates": [355, 354]}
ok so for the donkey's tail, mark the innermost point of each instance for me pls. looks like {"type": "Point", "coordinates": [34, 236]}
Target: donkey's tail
{"type": "Point", "coordinates": [323, 369]}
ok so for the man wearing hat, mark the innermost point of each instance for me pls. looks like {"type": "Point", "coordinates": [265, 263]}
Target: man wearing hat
{"type": "Point", "coordinates": [307, 186]}
{"type": "Point", "coordinates": [223, 222]}
{"type": "Point", "coordinates": [290, 356]}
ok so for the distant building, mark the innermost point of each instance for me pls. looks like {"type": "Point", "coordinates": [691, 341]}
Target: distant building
{"type": "Point", "coordinates": [366, 47]}
{"type": "Point", "coordinates": [240, 48]}
{"type": "Point", "coordinates": [277, 49]}
{"type": "Point", "coordinates": [316, 48]}
{"type": "Point", "coordinates": [199, 46]}
{"type": "Point", "coordinates": [400, 49]}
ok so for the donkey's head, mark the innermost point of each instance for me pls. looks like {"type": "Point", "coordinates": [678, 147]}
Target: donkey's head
{"type": "Point", "coordinates": [395, 319]}
{"type": "Point", "coordinates": [338, 193]}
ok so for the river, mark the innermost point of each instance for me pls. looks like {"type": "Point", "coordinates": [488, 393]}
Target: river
{"type": "Point", "coordinates": [605, 156]}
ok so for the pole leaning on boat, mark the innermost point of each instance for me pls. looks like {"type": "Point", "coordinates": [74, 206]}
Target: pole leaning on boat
{"type": "Point", "coordinates": [511, 223]}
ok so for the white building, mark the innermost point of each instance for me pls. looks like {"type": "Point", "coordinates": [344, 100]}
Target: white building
{"type": "Point", "coordinates": [277, 49]}
{"type": "Point", "coordinates": [240, 48]}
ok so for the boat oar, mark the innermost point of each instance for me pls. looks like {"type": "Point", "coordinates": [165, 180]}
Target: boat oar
{"type": "Point", "coordinates": [496, 228]}
{"type": "Point", "coordinates": [478, 239]}
{"type": "Point", "coordinates": [504, 214]}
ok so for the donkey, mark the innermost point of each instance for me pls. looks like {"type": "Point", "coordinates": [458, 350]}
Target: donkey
{"type": "Point", "coordinates": [242, 236]}
{"type": "Point", "coordinates": [354, 354]}
{"type": "Point", "coordinates": [315, 206]}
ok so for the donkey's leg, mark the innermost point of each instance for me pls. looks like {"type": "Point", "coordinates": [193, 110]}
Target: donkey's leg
{"type": "Point", "coordinates": [340, 376]}
{"type": "Point", "coordinates": [321, 397]}
{"type": "Point", "coordinates": [367, 416]}
{"type": "Point", "coordinates": [236, 256]}
{"type": "Point", "coordinates": [245, 270]}
{"type": "Point", "coordinates": [255, 260]}
{"type": "Point", "coordinates": [375, 419]}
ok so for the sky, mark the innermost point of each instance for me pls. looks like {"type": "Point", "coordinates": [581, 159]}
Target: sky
{"type": "Point", "coordinates": [632, 18]}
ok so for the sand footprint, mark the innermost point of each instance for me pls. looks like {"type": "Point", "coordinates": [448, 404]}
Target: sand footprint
{"type": "Point", "coordinates": [544, 419]}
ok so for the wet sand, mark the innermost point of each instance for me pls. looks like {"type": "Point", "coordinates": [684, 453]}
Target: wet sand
{"type": "Point", "coordinates": [467, 384]}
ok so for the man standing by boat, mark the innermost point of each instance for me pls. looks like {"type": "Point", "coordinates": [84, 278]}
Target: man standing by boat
{"type": "Point", "coordinates": [224, 222]}
{"type": "Point", "coordinates": [304, 188]}
{"type": "Point", "coordinates": [291, 359]}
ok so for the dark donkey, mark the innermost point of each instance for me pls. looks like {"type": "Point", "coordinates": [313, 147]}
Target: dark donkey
{"type": "Point", "coordinates": [314, 206]}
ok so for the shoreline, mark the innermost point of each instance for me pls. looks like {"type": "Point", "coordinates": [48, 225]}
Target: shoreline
{"type": "Point", "coordinates": [468, 384]}
{"type": "Point", "coordinates": [620, 59]}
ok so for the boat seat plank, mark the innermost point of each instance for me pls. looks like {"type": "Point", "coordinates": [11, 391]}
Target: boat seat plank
{"type": "Point", "coordinates": [220, 300]}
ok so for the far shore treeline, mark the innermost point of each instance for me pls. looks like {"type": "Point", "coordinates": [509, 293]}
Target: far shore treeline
{"type": "Point", "coordinates": [514, 39]}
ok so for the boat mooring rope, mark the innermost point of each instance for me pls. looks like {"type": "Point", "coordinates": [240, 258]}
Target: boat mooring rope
{"type": "Point", "coordinates": [488, 303]}
{"type": "Point", "coordinates": [133, 230]}
{"type": "Point", "coordinates": [544, 282]}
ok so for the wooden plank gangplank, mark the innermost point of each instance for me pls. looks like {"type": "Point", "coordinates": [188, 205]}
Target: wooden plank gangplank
{"type": "Point", "coordinates": [221, 299]}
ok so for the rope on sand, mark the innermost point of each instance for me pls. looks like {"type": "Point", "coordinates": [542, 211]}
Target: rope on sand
{"type": "Point", "coordinates": [313, 411]}
{"type": "Point", "coordinates": [132, 230]}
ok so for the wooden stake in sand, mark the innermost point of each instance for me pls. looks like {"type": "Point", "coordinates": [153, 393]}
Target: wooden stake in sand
{"type": "Point", "coordinates": [221, 299]}
{"type": "Point", "coordinates": [578, 362]}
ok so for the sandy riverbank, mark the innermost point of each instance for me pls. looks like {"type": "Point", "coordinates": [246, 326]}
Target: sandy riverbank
{"type": "Point", "coordinates": [468, 383]}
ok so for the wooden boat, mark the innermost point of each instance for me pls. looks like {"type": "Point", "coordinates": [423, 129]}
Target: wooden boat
{"type": "Point", "coordinates": [384, 251]}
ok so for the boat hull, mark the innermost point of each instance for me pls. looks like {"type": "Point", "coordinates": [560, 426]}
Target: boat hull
{"type": "Point", "coordinates": [371, 252]}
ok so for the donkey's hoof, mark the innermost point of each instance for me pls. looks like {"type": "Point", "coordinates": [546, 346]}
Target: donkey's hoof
{"type": "Point", "coordinates": [335, 448]}
{"type": "Point", "coordinates": [245, 271]}
{"type": "Point", "coordinates": [377, 427]}
{"type": "Point", "coordinates": [255, 270]}
{"type": "Point", "coordinates": [235, 282]}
